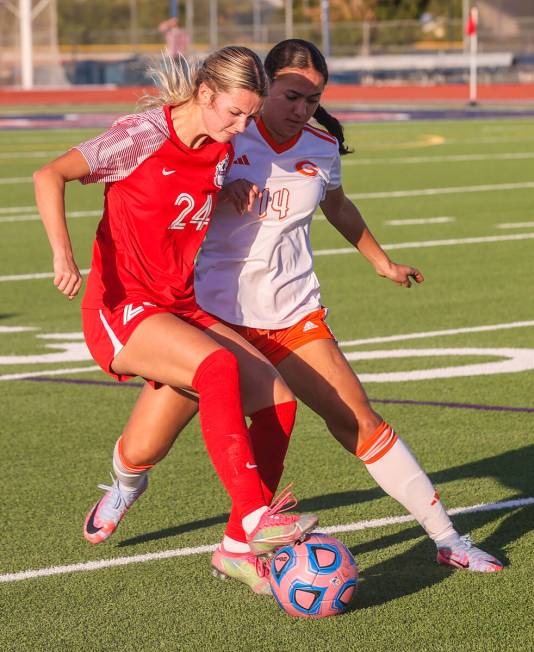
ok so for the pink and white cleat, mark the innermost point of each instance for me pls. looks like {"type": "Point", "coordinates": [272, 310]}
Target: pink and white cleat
{"type": "Point", "coordinates": [276, 529]}
{"type": "Point", "coordinates": [459, 552]}
{"type": "Point", "coordinates": [243, 566]}
{"type": "Point", "coordinates": [108, 512]}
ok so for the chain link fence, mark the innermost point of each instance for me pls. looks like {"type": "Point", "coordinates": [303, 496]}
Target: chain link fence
{"type": "Point", "coordinates": [119, 56]}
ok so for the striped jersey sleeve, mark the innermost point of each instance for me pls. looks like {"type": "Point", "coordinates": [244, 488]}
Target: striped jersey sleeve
{"type": "Point", "coordinates": [334, 175]}
{"type": "Point", "coordinates": [334, 180]}
{"type": "Point", "coordinates": [116, 153]}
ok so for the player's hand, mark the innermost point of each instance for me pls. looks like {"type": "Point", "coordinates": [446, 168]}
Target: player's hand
{"type": "Point", "coordinates": [401, 274]}
{"type": "Point", "coordinates": [67, 277]}
{"type": "Point", "coordinates": [242, 194]}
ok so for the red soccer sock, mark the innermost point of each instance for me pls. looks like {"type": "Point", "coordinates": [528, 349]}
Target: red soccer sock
{"type": "Point", "coordinates": [269, 431]}
{"type": "Point", "coordinates": [225, 433]}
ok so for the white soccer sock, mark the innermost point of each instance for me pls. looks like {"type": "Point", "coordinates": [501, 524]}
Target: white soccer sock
{"type": "Point", "coordinates": [232, 545]}
{"type": "Point", "coordinates": [397, 472]}
{"type": "Point", "coordinates": [129, 478]}
{"type": "Point", "coordinates": [250, 521]}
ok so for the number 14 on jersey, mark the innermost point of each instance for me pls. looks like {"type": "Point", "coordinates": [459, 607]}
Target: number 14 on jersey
{"type": "Point", "coordinates": [278, 204]}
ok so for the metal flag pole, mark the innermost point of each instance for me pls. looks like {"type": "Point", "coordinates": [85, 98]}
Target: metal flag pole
{"type": "Point", "coordinates": [214, 23]}
{"type": "Point", "coordinates": [472, 29]}
{"type": "Point", "coordinates": [289, 18]}
{"type": "Point", "coordinates": [325, 26]}
{"type": "Point", "coordinates": [26, 43]}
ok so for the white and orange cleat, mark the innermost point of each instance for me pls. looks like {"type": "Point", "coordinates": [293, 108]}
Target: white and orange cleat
{"type": "Point", "coordinates": [459, 552]}
{"type": "Point", "coordinates": [107, 513]}
{"type": "Point", "coordinates": [276, 529]}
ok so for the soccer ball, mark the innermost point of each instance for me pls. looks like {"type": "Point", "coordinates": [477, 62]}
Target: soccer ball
{"type": "Point", "coordinates": [314, 578]}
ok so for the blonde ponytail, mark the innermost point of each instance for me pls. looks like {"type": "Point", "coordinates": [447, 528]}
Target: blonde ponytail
{"type": "Point", "coordinates": [173, 79]}
{"type": "Point", "coordinates": [224, 70]}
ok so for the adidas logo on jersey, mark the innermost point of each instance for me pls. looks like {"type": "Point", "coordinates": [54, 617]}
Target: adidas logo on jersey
{"type": "Point", "coordinates": [242, 160]}
{"type": "Point", "coordinates": [309, 326]}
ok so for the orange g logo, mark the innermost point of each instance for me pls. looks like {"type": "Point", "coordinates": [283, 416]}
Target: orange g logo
{"type": "Point", "coordinates": [307, 168]}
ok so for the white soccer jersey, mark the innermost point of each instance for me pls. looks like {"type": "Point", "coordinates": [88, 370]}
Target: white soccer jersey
{"type": "Point", "coordinates": [256, 269]}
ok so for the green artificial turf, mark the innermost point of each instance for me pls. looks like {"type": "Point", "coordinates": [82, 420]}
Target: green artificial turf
{"type": "Point", "coordinates": [57, 437]}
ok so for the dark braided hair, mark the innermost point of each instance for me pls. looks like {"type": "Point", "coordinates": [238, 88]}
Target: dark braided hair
{"type": "Point", "coordinates": [297, 53]}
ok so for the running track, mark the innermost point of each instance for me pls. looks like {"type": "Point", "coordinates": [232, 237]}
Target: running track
{"type": "Point", "coordinates": [398, 103]}
{"type": "Point", "coordinates": [339, 93]}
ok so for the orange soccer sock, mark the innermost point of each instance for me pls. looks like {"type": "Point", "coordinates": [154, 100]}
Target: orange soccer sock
{"type": "Point", "coordinates": [394, 468]}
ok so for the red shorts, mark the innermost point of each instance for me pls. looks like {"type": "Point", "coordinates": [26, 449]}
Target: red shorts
{"type": "Point", "coordinates": [107, 331]}
{"type": "Point", "coordinates": [277, 344]}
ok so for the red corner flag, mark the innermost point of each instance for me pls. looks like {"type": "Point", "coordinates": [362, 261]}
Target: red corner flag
{"type": "Point", "coordinates": [471, 27]}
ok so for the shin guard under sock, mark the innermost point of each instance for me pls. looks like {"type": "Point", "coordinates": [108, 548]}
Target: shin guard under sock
{"type": "Point", "coordinates": [395, 469]}
{"type": "Point", "coordinates": [270, 430]}
{"type": "Point", "coordinates": [225, 433]}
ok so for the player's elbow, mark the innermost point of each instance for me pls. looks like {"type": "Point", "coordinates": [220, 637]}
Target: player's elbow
{"type": "Point", "coordinates": [45, 176]}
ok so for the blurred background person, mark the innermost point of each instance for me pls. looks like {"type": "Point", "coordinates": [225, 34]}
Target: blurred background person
{"type": "Point", "coordinates": [176, 38]}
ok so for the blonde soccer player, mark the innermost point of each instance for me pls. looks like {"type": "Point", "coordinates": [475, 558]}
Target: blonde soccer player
{"type": "Point", "coordinates": [162, 169]}
{"type": "Point", "coordinates": [255, 273]}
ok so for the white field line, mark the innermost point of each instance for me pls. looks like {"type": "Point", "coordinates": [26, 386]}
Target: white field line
{"type": "Point", "coordinates": [450, 331]}
{"type": "Point", "coordinates": [16, 209]}
{"type": "Point", "coordinates": [441, 191]}
{"type": "Point", "coordinates": [36, 218]}
{"type": "Point", "coordinates": [52, 372]}
{"type": "Point", "coordinates": [428, 243]}
{"type": "Point", "coordinates": [379, 145]}
{"type": "Point", "coordinates": [16, 329]}
{"type": "Point", "coordinates": [198, 550]}
{"type": "Point", "coordinates": [384, 195]}
{"type": "Point", "coordinates": [14, 156]}
{"type": "Point", "coordinates": [61, 336]}
{"type": "Point", "coordinates": [334, 252]}
{"type": "Point", "coordinates": [31, 277]}
{"type": "Point", "coordinates": [13, 180]}
{"type": "Point", "coordinates": [505, 156]}
{"type": "Point", "coordinates": [459, 158]}
{"type": "Point", "coordinates": [515, 225]}
{"type": "Point", "coordinates": [371, 340]}
{"type": "Point", "coordinates": [319, 217]}
{"type": "Point", "coordinates": [414, 221]}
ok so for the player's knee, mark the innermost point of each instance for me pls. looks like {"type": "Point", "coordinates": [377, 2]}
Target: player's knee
{"type": "Point", "coordinates": [351, 428]}
{"type": "Point", "coordinates": [220, 366]}
{"type": "Point", "coordinates": [223, 361]}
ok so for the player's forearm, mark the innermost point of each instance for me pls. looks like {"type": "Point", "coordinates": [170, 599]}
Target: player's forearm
{"type": "Point", "coordinates": [373, 252]}
{"type": "Point", "coordinates": [350, 223]}
{"type": "Point", "coordinates": [50, 200]}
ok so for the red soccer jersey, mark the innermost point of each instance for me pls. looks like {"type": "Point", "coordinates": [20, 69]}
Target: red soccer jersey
{"type": "Point", "coordinates": [159, 198]}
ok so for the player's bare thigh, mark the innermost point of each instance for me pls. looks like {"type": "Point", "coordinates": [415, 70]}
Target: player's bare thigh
{"type": "Point", "coordinates": [321, 377]}
{"type": "Point", "coordinates": [165, 349]}
{"type": "Point", "coordinates": [261, 384]}
{"type": "Point", "coordinates": [160, 414]}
